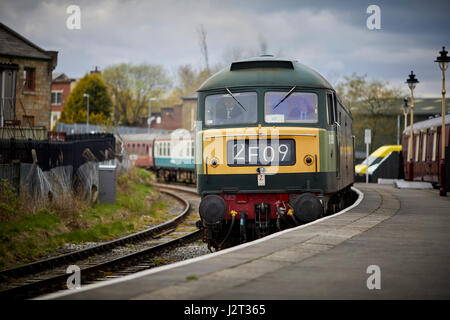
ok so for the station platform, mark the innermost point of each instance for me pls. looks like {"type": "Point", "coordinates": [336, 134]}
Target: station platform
{"type": "Point", "coordinates": [405, 233]}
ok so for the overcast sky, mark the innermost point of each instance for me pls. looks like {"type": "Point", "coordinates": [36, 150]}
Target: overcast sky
{"type": "Point", "coordinates": [329, 36]}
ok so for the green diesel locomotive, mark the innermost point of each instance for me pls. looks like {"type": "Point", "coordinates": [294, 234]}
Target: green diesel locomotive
{"type": "Point", "coordinates": [274, 149]}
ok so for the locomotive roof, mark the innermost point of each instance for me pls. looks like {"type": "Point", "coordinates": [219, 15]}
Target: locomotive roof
{"type": "Point", "coordinates": [266, 71]}
{"type": "Point", "coordinates": [434, 122]}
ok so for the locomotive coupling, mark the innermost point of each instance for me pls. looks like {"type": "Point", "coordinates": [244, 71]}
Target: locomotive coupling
{"type": "Point", "coordinates": [212, 209]}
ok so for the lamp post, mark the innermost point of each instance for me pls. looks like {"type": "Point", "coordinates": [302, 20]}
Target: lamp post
{"type": "Point", "coordinates": [411, 81]}
{"type": "Point", "coordinates": [150, 113]}
{"type": "Point", "coordinates": [405, 112]}
{"type": "Point", "coordinates": [443, 61]}
{"type": "Point", "coordinates": [86, 95]}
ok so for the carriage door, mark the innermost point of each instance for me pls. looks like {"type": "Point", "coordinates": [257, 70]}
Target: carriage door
{"type": "Point", "coordinates": [333, 123]}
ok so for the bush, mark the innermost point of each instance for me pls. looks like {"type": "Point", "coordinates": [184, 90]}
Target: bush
{"type": "Point", "coordinates": [9, 201]}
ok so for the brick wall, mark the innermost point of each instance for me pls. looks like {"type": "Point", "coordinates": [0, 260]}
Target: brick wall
{"type": "Point", "coordinates": [65, 88]}
{"type": "Point", "coordinates": [171, 118]}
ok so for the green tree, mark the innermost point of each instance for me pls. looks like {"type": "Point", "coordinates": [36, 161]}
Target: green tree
{"type": "Point", "coordinates": [132, 86]}
{"type": "Point", "coordinates": [100, 104]}
{"type": "Point", "coordinates": [374, 105]}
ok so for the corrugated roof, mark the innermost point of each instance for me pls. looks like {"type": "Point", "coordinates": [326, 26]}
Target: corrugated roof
{"type": "Point", "coordinates": [429, 106]}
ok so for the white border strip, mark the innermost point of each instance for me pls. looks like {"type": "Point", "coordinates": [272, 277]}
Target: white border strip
{"type": "Point", "coordinates": [197, 259]}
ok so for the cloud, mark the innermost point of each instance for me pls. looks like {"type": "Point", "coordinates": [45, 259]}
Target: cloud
{"type": "Point", "coordinates": [329, 36]}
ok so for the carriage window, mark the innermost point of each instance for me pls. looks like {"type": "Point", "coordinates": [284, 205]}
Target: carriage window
{"type": "Point", "coordinates": [168, 148]}
{"type": "Point", "coordinates": [298, 107]}
{"type": "Point", "coordinates": [417, 148]}
{"type": "Point", "coordinates": [424, 147]}
{"type": "Point", "coordinates": [434, 155]}
{"type": "Point", "coordinates": [222, 109]}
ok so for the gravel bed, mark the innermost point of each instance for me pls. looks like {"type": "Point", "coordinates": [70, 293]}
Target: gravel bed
{"type": "Point", "coordinates": [185, 252]}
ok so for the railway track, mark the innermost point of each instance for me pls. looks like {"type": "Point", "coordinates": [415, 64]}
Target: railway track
{"type": "Point", "coordinates": [133, 253]}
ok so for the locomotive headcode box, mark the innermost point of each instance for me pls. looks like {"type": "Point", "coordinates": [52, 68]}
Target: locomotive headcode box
{"type": "Point", "coordinates": [261, 152]}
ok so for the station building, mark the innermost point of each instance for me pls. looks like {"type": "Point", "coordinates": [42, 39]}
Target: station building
{"type": "Point", "coordinates": [25, 81]}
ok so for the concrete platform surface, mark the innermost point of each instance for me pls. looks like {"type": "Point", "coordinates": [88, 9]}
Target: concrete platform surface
{"type": "Point", "coordinates": [396, 242]}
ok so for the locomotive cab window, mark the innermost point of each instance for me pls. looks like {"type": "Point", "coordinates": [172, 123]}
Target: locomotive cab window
{"type": "Point", "coordinates": [330, 109]}
{"type": "Point", "coordinates": [224, 109]}
{"type": "Point", "coordinates": [298, 107]}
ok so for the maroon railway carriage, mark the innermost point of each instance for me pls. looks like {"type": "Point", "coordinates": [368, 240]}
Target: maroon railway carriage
{"type": "Point", "coordinates": [139, 147]}
{"type": "Point", "coordinates": [426, 150]}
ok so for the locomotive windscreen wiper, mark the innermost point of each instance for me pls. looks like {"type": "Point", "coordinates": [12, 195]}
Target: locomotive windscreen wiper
{"type": "Point", "coordinates": [285, 97]}
{"type": "Point", "coordinates": [235, 99]}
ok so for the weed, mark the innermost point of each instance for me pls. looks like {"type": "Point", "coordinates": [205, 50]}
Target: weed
{"type": "Point", "coordinates": [159, 261]}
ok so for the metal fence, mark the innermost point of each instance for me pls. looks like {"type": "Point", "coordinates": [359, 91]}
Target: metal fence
{"type": "Point", "coordinates": [50, 154]}
{"type": "Point", "coordinates": [11, 172]}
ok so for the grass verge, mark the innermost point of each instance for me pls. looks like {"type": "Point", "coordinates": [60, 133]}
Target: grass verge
{"type": "Point", "coordinates": [26, 236]}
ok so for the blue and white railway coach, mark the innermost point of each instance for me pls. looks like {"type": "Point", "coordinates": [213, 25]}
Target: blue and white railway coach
{"type": "Point", "coordinates": [174, 156]}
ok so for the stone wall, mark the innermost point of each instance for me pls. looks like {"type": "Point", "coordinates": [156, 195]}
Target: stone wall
{"type": "Point", "coordinates": [34, 103]}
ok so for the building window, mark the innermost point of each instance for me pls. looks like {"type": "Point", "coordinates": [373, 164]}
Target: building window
{"type": "Point", "coordinates": [56, 97]}
{"type": "Point", "coordinates": [28, 79]}
{"type": "Point", "coordinates": [28, 121]}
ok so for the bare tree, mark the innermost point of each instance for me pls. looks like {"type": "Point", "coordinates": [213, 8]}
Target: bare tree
{"type": "Point", "coordinates": [132, 86]}
{"type": "Point", "coordinates": [262, 44]}
{"type": "Point", "coordinates": [203, 45]}
{"type": "Point", "coordinates": [374, 104]}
